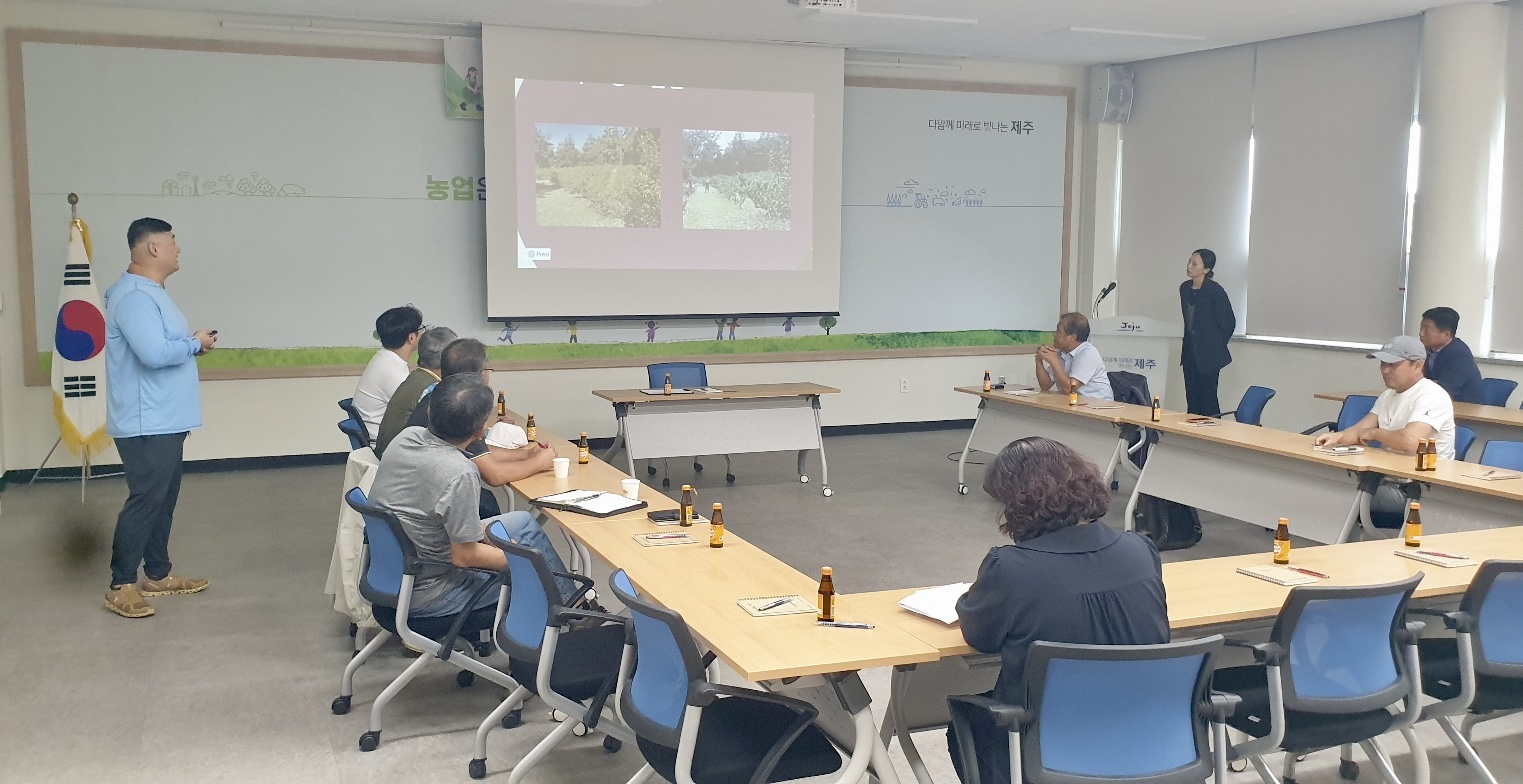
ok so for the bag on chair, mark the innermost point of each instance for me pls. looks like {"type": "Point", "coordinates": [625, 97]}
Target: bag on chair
{"type": "Point", "coordinates": [1171, 525]}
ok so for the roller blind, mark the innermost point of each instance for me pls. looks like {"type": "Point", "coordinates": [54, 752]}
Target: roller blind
{"type": "Point", "coordinates": [1506, 316]}
{"type": "Point", "coordinates": [1184, 181]}
{"type": "Point", "coordinates": [1331, 123]}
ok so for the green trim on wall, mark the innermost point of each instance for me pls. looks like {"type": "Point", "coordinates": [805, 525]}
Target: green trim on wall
{"type": "Point", "coordinates": [245, 358]}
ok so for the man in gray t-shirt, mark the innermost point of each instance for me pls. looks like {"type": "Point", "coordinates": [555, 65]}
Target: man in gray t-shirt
{"type": "Point", "coordinates": [434, 490]}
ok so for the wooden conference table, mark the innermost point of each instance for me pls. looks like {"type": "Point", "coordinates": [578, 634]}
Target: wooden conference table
{"type": "Point", "coordinates": [737, 420]}
{"type": "Point", "coordinates": [1206, 596]}
{"type": "Point", "coordinates": [1092, 428]}
{"type": "Point", "coordinates": [1251, 473]}
{"type": "Point", "coordinates": [703, 584]}
{"type": "Point", "coordinates": [1490, 423]}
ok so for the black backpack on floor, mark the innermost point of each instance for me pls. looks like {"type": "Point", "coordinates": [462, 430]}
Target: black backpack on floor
{"type": "Point", "coordinates": [1171, 525]}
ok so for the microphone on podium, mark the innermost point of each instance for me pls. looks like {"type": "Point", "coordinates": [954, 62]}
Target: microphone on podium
{"type": "Point", "coordinates": [1105, 292]}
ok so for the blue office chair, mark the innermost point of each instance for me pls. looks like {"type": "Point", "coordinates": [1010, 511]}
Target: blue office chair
{"type": "Point", "coordinates": [573, 671]}
{"type": "Point", "coordinates": [1503, 454]}
{"type": "Point", "coordinates": [347, 404]}
{"type": "Point", "coordinates": [684, 375]}
{"type": "Point", "coordinates": [355, 432]}
{"type": "Point", "coordinates": [1336, 661]}
{"type": "Point", "coordinates": [391, 564]}
{"type": "Point", "coordinates": [1250, 410]}
{"type": "Point", "coordinates": [1479, 671]}
{"type": "Point", "coordinates": [1496, 391]}
{"type": "Point", "coordinates": [1355, 407]}
{"type": "Point", "coordinates": [1108, 714]}
{"type": "Point", "coordinates": [1464, 437]}
{"type": "Point", "coordinates": [691, 730]}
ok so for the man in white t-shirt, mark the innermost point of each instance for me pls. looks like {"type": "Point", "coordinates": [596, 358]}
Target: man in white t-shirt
{"type": "Point", "coordinates": [1071, 357]}
{"type": "Point", "coordinates": [1411, 408]}
{"type": "Point", "coordinates": [399, 330]}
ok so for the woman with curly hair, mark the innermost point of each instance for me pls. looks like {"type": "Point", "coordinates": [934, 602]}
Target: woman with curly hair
{"type": "Point", "coordinates": [1068, 577]}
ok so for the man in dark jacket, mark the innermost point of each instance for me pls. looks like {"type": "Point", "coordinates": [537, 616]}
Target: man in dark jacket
{"type": "Point", "coordinates": [1450, 363]}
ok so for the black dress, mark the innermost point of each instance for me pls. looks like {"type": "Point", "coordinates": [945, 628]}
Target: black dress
{"type": "Point", "coordinates": [1209, 324]}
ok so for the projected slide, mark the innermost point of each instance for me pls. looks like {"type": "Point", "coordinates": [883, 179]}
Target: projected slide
{"type": "Point", "coordinates": [597, 175]}
{"type": "Point", "coordinates": [631, 177]}
{"type": "Point", "coordinates": [736, 180]}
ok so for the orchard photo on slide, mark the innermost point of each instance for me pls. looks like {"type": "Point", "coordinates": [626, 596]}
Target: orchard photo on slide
{"type": "Point", "coordinates": [597, 176]}
{"type": "Point", "coordinates": [736, 180]}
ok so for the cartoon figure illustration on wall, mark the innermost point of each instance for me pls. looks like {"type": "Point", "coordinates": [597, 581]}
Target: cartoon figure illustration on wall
{"type": "Point", "coordinates": [571, 328]}
{"type": "Point", "coordinates": [788, 326]}
{"type": "Point", "coordinates": [650, 331]}
{"type": "Point", "coordinates": [828, 323]}
{"type": "Point", "coordinates": [719, 329]}
{"type": "Point", "coordinates": [734, 322]}
{"type": "Point", "coordinates": [507, 333]}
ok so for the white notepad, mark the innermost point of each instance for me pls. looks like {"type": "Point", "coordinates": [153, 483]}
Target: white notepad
{"type": "Point", "coordinates": [1435, 557]}
{"type": "Point", "coordinates": [1342, 450]}
{"type": "Point", "coordinates": [939, 603]}
{"type": "Point", "coordinates": [664, 539]}
{"type": "Point", "coordinates": [1492, 475]}
{"type": "Point", "coordinates": [593, 501]}
{"type": "Point", "coordinates": [1281, 575]}
{"type": "Point", "coordinates": [763, 606]}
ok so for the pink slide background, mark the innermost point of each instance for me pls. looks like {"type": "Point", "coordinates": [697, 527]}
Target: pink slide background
{"type": "Point", "coordinates": [670, 111]}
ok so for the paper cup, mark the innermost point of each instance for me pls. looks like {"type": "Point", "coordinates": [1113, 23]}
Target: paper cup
{"type": "Point", "coordinates": [562, 467]}
{"type": "Point", "coordinates": [631, 488]}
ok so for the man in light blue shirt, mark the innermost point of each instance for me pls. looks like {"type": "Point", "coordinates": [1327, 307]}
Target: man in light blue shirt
{"type": "Point", "coordinates": [153, 401]}
{"type": "Point", "coordinates": [1073, 358]}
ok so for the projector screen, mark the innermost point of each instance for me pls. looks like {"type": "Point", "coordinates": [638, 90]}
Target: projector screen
{"type": "Point", "coordinates": [648, 177]}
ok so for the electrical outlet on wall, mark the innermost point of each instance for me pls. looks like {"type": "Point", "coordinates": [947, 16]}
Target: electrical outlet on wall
{"type": "Point", "coordinates": [904, 385]}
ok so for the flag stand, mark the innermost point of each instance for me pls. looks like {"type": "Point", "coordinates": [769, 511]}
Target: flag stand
{"type": "Point", "coordinates": [84, 465]}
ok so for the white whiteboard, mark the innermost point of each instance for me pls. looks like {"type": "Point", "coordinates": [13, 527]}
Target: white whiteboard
{"type": "Point", "coordinates": [210, 140]}
{"type": "Point", "coordinates": [947, 226]}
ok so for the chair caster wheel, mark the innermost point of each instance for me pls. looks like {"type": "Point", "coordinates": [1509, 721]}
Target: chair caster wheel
{"type": "Point", "coordinates": [698, 467]}
{"type": "Point", "coordinates": [353, 629]}
{"type": "Point", "coordinates": [465, 678]}
{"type": "Point", "coordinates": [828, 492]}
{"type": "Point", "coordinates": [1348, 769]}
{"type": "Point", "coordinates": [1115, 485]}
{"type": "Point", "coordinates": [483, 650]}
{"type": "Point", "coordinates": [477, 769]}
{"type": "Point", "coordinates": [513, 719]}
{"type": "Point", "coordinates": [579, 730]}
{"type": "Point", "coordinates": [557, 716]}
{"type": "Point", "coordinates": [612, 744]}
{"type": "Point", "coordinates": [729, 479]}
{"type": "Point", "coordinates": [665, 483]}
{"type": "Point", "coordinates": [370, 741]}
{"type": "Point", "coordinates": [340, 706]}
{"type": "Point", "coordinates": [962, 489]}
{"type": "Point", "coordinates": [803, 479]}
{"type": "Point", "coordinates": [1237, 766]}
{"type": "Point", "coordinates": [650, 470]}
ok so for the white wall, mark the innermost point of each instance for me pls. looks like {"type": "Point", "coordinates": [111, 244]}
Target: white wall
{"type": "Point", "coordinates": [297, 416]}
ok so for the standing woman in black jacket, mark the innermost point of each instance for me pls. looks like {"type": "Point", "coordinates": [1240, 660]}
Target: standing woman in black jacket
{"type": "Point", "coordinates": [1209, 324]}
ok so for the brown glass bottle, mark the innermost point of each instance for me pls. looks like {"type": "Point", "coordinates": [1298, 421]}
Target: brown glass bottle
{"type": "Point", "coordinates": [1413, 530]}
{"type": "Point", "coordinates": [502, 404]}
{"type": "Point", "coordinates": [583, 453]}
{"type": "Point", "coordinates": [1157, 410]}
{"type": "Point", "coordinates": [1282, 541]}
{"type": "Point", "coordinates": [1073, 392]}
{"type": "Point", "coordinates": [827, 603]}
{"type": "Point", "coordinates": [529, 429]}
{"type": "Point", "coordinates": [988, 385]}
{"type": "Point", "coordinates": [685, 510]}
{"type": "Point", "coordinates": [1430, 460]}
{"type": "Point", "coordinates": [1422, 454]}
{"type": "Point", "coordinates": [716, 526]}
{"type": "Point", "coordinates": [666, 389]}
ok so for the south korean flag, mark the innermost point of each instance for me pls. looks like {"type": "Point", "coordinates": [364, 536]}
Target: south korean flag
{"type": "Point", "coordinates": [79, 362]}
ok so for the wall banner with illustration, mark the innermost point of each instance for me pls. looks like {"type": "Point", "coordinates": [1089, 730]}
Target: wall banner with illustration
{"type": "Point", "coordinates": [462, 78]}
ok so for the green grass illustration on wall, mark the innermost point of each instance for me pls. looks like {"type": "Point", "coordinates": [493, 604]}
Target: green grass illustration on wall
{"type": "Point", "coordinates": [357, 356]}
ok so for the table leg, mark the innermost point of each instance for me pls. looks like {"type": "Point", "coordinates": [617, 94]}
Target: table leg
{"type": "Point", "coordinates": [1359, 511]}
{"type": "Point", "coordinates": [962, 462]}
{"type": "Point", "coordinates": [895, 721]}
{"type": "Point", "coordinates": [846, 716]}
{"type": "Point", "coordinates": [814, 403]}
{"type": "Point", "coordinates": [618, 436]}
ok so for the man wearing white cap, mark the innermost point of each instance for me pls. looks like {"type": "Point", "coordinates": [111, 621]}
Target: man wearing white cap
{"type": "Point", "coordinates": [1411, 408]}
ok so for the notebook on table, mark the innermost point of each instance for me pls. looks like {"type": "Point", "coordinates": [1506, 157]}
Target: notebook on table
{"type": "Point", "coordinates": [595, 503]}
{"type": "Point", "coordinates": [1280, 575]}
{"type": "Point", "coordinates": [763, 606]}
{"type": "Point", "coordinates": [939, 603]}
{"type": "Point", "coordinates": [1436, 557]}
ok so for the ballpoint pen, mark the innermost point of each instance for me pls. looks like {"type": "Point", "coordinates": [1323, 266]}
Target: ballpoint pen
{"type": "Point", "coordinates": [582, 498]}
{"type": "Point", "coordinates": [667, 536]}
{"type": "Point", "coordinates": [844, 625]}
{"type": "Point", "coordinates": [1308, 572]}
{"type": "Point", "coordinates": [776, 604]}
{"type": "Point", "coordinates": [1437, 554]}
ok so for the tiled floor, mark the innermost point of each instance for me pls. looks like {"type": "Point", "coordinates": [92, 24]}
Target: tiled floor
{"type": "Point", "coordinates": [234, 684]}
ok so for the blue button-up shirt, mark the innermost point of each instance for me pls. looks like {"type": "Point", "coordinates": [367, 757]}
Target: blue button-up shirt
{"type": "Point", "coordinates": [152, 387]}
